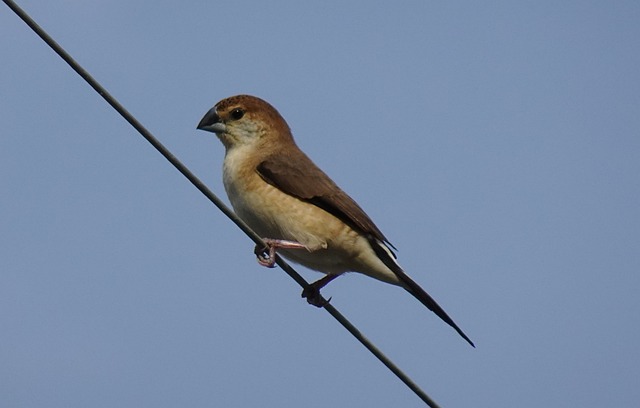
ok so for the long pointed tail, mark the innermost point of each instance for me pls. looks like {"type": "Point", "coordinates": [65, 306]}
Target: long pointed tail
{"type": "Point", "coordinates": [387, 257]}
{"type": "Point", "coordinates": [432, 305]}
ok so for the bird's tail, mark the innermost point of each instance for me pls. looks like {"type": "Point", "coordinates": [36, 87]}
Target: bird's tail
{"type": "Point", "coordinates": [432, 305]}
{"type": "Point", "coordinates": [387, 257]}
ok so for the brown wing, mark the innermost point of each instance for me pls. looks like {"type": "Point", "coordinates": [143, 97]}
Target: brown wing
{"type": "Point", "coordinates": [297, 175]}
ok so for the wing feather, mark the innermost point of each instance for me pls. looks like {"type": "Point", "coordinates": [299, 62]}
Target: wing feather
{"type": "Point", "coordinates": [298, 176]}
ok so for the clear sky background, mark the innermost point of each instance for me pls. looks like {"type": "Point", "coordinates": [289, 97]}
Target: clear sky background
{"type": "Point", "coordinates": [497, 145]}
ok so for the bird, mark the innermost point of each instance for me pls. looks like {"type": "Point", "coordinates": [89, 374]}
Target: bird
{"type": "Point", "coordinates": [278, 191]}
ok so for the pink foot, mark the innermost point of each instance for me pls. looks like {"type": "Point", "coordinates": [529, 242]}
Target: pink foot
{"type": "Point", "coordinates": [267, 254]}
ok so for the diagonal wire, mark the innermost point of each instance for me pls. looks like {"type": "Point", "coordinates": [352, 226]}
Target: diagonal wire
{"type": "Point", "coordinates": [213, 198]}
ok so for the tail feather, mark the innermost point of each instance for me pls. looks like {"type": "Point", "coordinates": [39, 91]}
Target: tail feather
{"type": "Point", "coordinates": [386, 256]}
{"type": "Point", "coordinates": [432, 305]}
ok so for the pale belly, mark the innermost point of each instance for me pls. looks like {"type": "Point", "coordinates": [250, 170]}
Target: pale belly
{"type": "Point", "coordinates": [332, 246]}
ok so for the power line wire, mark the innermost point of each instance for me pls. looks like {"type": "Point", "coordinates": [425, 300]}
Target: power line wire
{"type": "Point", "coordinates": [212, 197]}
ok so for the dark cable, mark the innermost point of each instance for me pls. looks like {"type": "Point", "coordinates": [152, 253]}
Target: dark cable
{"type": "Point", "coordinates": [214, 199]}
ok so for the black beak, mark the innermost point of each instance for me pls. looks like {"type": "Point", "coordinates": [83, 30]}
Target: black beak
{"type": "Point", "coordinates": [209, 119]}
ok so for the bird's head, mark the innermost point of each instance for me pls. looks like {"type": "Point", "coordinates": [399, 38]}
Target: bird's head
{"type": "Point", "coordinates": [245, 120]}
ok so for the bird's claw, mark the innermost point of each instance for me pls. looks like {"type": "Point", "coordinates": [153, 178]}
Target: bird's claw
{"type": "Point", "coordinates": [266, 255]}
{"type": "Point", "coordinates": [312, 291]}
{"type": "Point", "coordinates": [313, 296]}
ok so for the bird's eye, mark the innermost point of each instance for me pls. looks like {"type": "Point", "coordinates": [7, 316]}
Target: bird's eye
{"type": "Point", "coordinates": [237, 114]}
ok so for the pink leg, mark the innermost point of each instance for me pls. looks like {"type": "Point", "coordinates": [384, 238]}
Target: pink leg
{"type": "Point", "coordinates": [267, 255]}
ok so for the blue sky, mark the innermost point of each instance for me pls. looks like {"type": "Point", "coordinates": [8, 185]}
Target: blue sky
{"type": "Point", "coordinates": [496, 144]}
